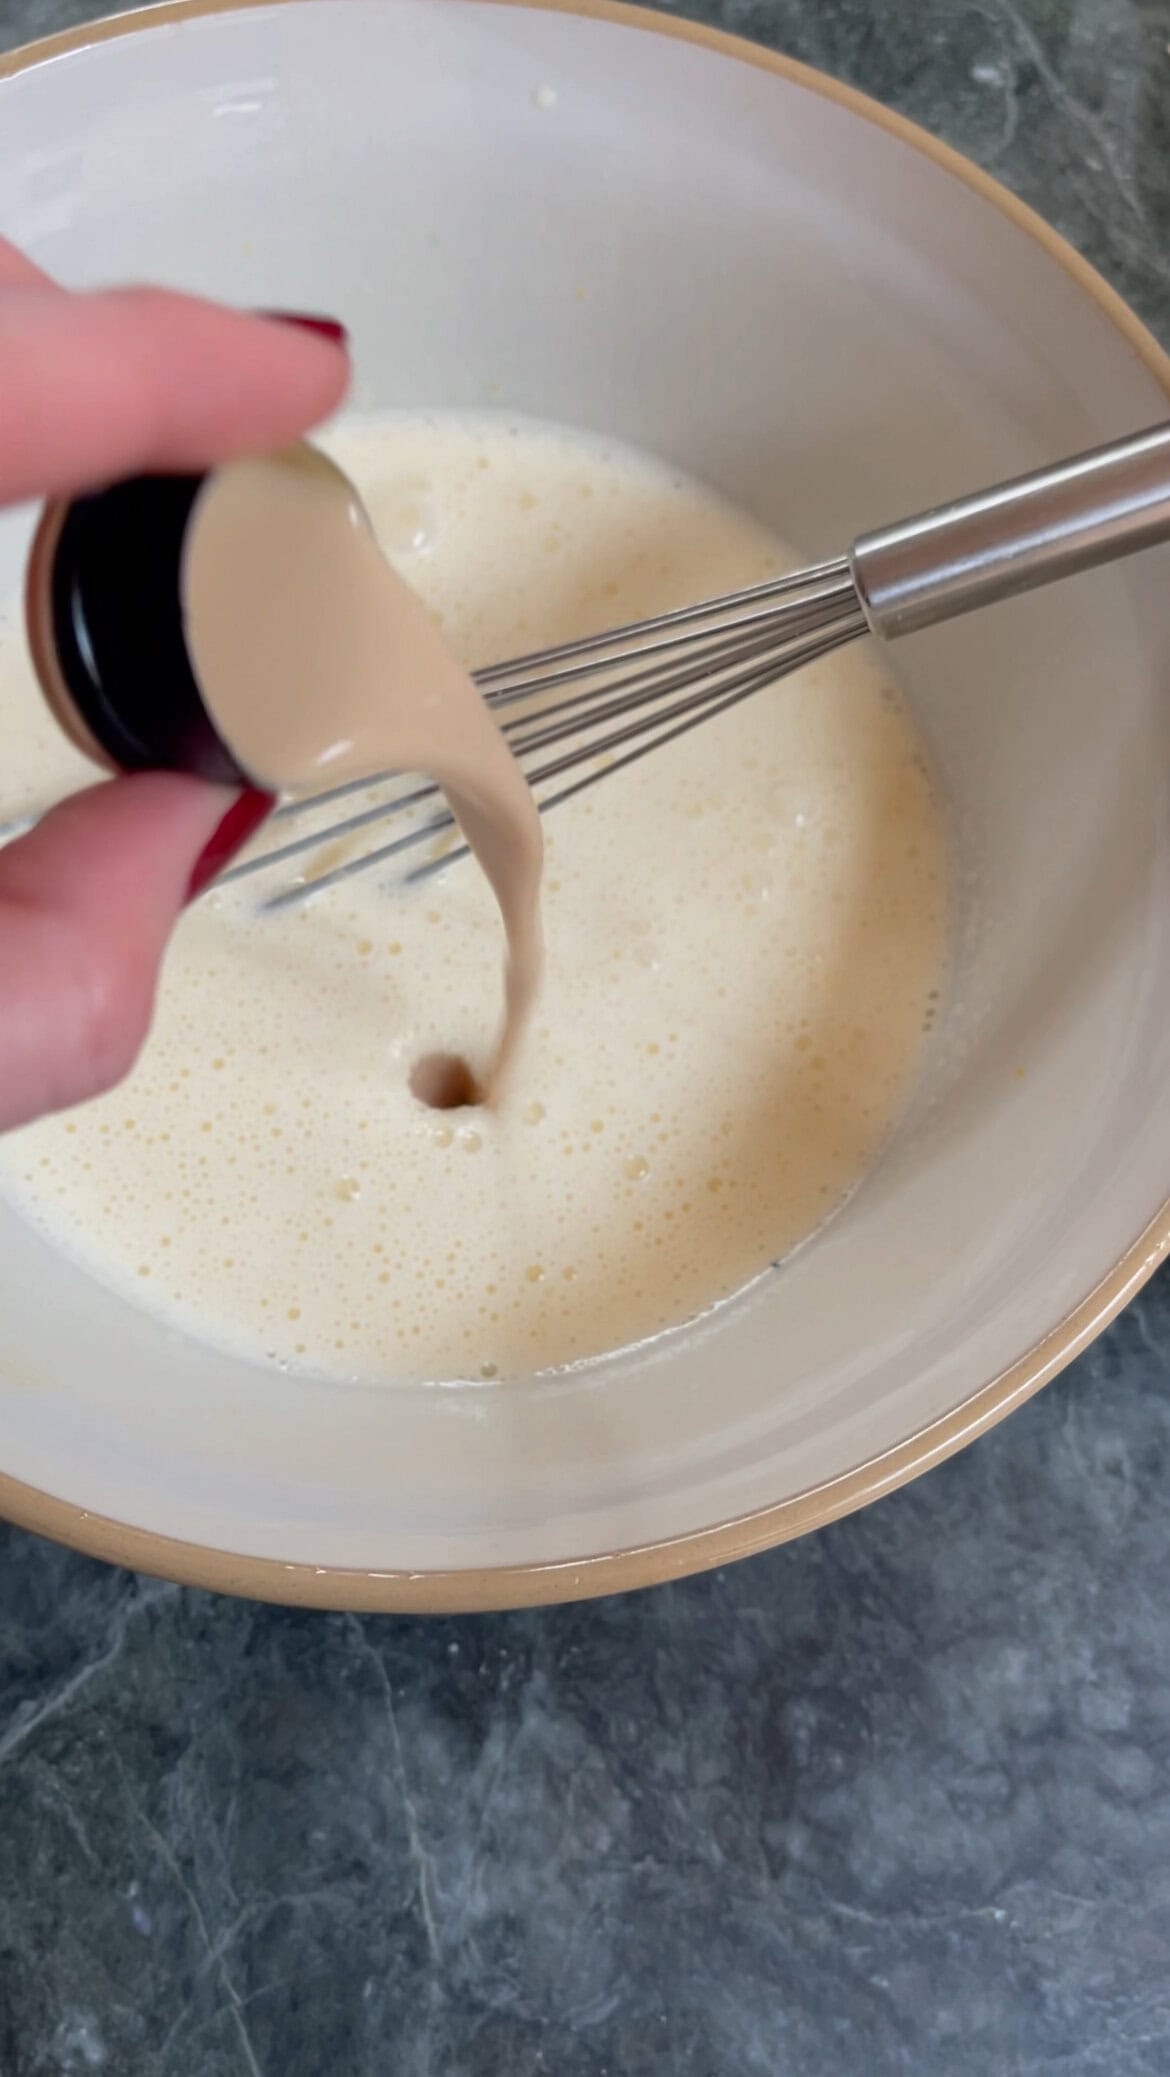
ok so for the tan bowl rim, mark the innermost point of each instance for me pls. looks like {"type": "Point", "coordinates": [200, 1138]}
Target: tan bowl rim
{"type": "Point", "coordinates": [613, 1572]}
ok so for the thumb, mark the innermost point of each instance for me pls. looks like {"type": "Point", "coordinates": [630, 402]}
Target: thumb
{"type": "Point", "coordinates": [87, 902]}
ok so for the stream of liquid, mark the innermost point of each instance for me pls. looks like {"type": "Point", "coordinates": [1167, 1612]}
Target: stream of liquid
{"type": "Point", "coordinates": [320, 665]}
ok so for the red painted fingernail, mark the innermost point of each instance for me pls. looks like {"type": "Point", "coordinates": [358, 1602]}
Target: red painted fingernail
{"type": "Point", "coordinates": [242, 821]}
{"type": "Point", "coordinates": [327, 327]}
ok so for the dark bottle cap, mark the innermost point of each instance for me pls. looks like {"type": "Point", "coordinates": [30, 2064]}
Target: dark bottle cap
{"type": "Point", "coordinates": [105, 601]}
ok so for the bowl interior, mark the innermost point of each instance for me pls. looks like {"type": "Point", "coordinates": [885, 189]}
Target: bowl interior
{"type": "Point", "coordinates": [792, 300]}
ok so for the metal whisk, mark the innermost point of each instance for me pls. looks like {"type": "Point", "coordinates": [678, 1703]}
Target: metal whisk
{"type": "Point", "coordinates": [635, 689]}
{"type": "Point", "coordinates": [579, 712]}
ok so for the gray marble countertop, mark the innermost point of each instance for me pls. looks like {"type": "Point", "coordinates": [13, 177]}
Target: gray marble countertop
{"type": "Point", "coordinates": [893, 1799]}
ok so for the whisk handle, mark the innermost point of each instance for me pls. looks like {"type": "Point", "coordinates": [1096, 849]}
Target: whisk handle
{"type": "Point", "coordinates": [1017, 536]}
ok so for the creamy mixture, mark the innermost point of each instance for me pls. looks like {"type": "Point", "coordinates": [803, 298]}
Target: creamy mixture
{"type": "Point", "coordinates": [745, 936]}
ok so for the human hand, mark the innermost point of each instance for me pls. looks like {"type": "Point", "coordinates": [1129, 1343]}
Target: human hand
{"type": "Point", "coordinates": [93, 387]}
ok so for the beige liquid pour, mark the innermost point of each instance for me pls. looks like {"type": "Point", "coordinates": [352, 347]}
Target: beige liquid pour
{"type": "Point", "coordinates": [318, 665]}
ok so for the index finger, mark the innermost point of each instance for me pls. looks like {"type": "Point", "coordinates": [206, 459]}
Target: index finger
{"type": "Point", "coordinates": [120, 382]}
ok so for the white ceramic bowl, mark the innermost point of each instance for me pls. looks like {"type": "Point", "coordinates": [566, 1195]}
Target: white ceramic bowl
{"type": "Point", "coordinates": [834, 320]}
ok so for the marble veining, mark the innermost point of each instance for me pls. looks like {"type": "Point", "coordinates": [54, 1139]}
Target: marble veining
{"type": "Point", "coordinates": [895, 1799]}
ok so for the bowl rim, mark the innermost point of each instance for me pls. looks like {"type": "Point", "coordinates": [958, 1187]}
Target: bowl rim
{"type": "Point", "coordinates": [463, 1589]}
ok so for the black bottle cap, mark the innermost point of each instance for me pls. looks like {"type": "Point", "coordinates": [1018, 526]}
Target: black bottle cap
{"type": "Point", "coordinates": [115, 612]}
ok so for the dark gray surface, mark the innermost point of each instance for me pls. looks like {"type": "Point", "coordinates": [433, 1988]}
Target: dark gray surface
{"type": "Point", "coordinates": [894, 1799]}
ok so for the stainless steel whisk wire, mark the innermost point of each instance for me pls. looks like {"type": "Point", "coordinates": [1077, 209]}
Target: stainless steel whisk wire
{"type": "Point", "coordinates": [735, 663]}
{"type": "Point", "coordinates": [604, 701]}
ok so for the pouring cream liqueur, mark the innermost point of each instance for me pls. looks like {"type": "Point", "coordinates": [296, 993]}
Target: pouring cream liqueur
{"type": "Point", "coordinates": [246, 625]}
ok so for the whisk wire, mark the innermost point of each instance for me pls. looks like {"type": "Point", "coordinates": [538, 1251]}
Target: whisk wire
{"type": "Point", "coordinates": [824, 589]}
{"type": "Point", "coordinates": [791, 620]}
{"type": "Point", "coordinates": [643, 733]}
{"type": "Point", "coordinates": [635, 631]}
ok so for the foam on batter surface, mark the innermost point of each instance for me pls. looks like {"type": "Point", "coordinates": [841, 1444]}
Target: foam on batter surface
{"type": "Point", "coordinates": [745, 936]}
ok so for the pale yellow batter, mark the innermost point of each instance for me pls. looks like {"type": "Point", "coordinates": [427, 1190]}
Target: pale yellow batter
{"type": "Point", "coordinates": [745, 935]}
